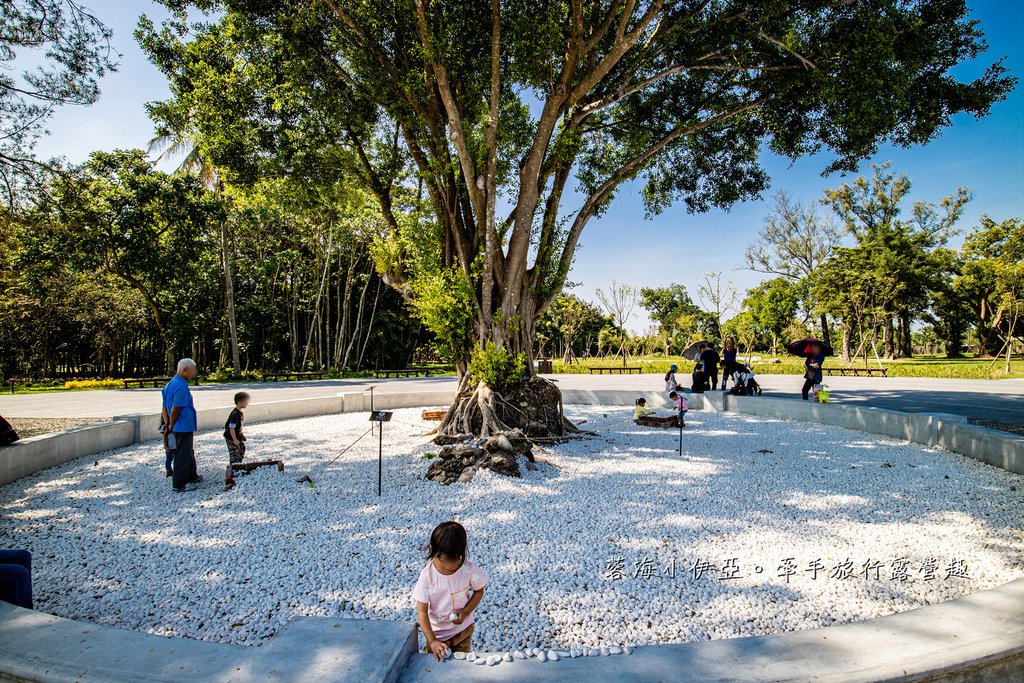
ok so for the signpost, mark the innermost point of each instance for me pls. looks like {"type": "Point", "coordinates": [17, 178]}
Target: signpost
{"type": "Point", "coordinates": [380, 416]}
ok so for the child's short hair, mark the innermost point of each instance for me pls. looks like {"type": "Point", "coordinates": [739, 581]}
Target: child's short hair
{"type": "Point", "coordinates": [641, 401]}
{"type": "Point", "coordinates": [673, 394]}
{"type": "Point", "coordinates": [448, 539]}
{"type": "Point", "coordinates": [241, 396]}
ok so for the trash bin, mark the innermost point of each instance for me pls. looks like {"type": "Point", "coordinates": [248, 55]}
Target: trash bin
{"type": "Point", "coordinates": [544, 366]}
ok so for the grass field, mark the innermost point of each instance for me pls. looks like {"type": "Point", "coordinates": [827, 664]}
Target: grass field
{"type": "Point", "coordinates": [58, 386]}
{"type": "Point", "coordinates": [921, 366]}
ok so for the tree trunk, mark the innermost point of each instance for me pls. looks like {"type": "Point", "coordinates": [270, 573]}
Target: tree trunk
{"type": "Point", "coordinates": [825, 335]}
{"type": "Point", "coordinates": [887, 337]}
{"type": "Point", "coordinates": [229, 296]}
{"type": "Point", "coordinates": [846, 341]}
{"type": "Point", "coordinates": [908, 342]}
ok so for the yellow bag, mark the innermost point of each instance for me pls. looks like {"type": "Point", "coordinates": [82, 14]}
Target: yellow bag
{"type": "Point", "coordinates": [823, 396]}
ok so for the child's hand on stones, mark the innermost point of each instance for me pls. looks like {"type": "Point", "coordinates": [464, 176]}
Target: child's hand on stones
{"type": "Point", "coordinates": [439, 649]}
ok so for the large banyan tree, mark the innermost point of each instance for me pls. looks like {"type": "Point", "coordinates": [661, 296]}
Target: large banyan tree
{"type": "Point", "coordinates": [491, 133]}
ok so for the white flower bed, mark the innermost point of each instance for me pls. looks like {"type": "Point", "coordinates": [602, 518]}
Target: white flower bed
{"type": "Point", "coordinates": [600, 551]}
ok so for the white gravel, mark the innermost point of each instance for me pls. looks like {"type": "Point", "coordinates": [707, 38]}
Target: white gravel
{"type": "Point", "coordinates": [113, 545]}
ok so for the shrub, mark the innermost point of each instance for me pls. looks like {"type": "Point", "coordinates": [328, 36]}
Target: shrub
{"type": "Point", "coordinates": [496, 367]}
{"type": "Point", "coordinates": [93, 384]}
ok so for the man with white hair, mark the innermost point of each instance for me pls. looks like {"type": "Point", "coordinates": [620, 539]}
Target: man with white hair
{"type": "Point", "coordinates": [180, 422]}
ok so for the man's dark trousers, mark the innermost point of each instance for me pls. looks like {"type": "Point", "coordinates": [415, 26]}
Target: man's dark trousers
{"type": "Point", "coordinates": [185, 470]}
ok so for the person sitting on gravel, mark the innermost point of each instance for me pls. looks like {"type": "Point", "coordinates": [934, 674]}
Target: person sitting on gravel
{"type": "Point", "coordinates": [448, 591]}
{"type": "Point", "coordinates": [641, 410]}
{"type": "Point", "coordinates": [235, 439]}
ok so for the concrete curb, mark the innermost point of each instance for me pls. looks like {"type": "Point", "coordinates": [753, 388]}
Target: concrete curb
{"type": "Point", "coordinates": [953, 433]}
{"type": "Point", "coordinates": [979, 637]}
{"type": "Point", "coordinates": [44, 648]}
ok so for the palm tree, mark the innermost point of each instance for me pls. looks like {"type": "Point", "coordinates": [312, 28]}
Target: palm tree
{"type": "Point", "coordinates": [169, 146]}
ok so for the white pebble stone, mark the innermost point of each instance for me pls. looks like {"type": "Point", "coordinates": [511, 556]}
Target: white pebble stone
{"type": "Point", "coordinates": [542, 657]}
{"type": "Point", "coordinates": [493, 659]}
{"type": "Point", "coordinates": [480, 660]}
{"type": "Point", "coordinates": [552, 655]}
{"type": "Point", "coordinates": [471, 657]}
{"type": "Point", "coordinates": [593, 652]}
{"type": "Point", "coordinates": [506, 657]}
{"type": "Point", "coordinates": [519, 654]}
{"type": "Point", "coordinates": [627, 650]}
{"type": "Point", "coordinates": [604, 652]}
{"type": "Point", "coordinates": [615, 650]}
{"type": "Point", "coordinates": [460, 655]}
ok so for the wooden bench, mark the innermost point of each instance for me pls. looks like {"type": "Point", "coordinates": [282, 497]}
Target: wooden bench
{"type": "Point", "coordinates": [150, 382]}
{"type": "Point", "coordinates": [291, 375]}
{"type": "Point", "coordinates": [434, 415]}
{"type": "Point", "coordinates": [408, 372]}
{"type": "Point", "coordinates": [856, 372]}
{"type": "Point", "coordinates": [663, 422]}
{"type": "Point", "coordinates": [616, 370]}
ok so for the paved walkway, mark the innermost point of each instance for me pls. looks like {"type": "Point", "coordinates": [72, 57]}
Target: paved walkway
{"type": "Point", "coordinates": [998, 400]}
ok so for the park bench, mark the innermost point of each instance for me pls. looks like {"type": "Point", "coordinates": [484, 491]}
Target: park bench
{"type": "Point", "coordinates": [141, 382]}
{"type": "Point", "coordinates": [616, 370]}
{"type": "Point", "coordinates": [856, 372]}
{"type": "Point", "coordinates": [408, 372]}
{"type": "Point", "coordinates": [291, 375]}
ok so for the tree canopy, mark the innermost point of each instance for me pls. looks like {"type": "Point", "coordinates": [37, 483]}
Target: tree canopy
{"type": "Point", "coordinates": [53, 53]}
{"type": "Point", "coordinates": [450, 115]}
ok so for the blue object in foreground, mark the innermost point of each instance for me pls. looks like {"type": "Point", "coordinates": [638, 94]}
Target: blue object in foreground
{"type": "Point", "coordinates": [16, 577]}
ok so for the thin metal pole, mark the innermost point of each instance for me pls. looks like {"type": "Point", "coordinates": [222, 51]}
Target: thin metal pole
{"type": "Point", "coordinates": [380, 456]}
{"type": "Point", "coordinates": [680, 437]}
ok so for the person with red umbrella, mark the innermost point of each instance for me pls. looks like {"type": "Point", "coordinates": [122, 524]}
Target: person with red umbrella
{"type": "Point", "coordinates": [813, 352]}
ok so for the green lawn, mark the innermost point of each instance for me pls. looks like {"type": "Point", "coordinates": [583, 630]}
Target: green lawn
{"type": "Point", "coordinates": [48, 386]}
{"type": "Point", "coordinates": [921, 366]}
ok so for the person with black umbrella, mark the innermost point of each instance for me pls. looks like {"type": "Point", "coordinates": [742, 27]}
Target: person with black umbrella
{"type": "Point", "coordinates": [813, 352]}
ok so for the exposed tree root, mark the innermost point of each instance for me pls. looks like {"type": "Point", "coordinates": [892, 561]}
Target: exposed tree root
{"type": "Point", "coordinates": [532, 407]}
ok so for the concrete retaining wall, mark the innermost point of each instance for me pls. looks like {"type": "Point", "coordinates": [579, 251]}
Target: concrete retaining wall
{"type": "Point", "coordinates": [951, 432]}
{"type": "Point", "coordinates": [35, 453]}
{"type": "Point", "coordinates": [998, 448]}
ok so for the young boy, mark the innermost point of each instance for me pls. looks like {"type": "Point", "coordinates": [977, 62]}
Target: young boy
{"type": "Point", "coordinates": [235, 438]}
{"type": "Point", "coordinates": [681, 407]}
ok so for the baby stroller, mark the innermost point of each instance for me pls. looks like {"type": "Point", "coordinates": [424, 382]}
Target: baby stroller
{"type": "Point", "coordinates": [744, 383]}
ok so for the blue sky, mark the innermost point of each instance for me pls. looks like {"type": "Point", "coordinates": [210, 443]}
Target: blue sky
{"type": "Point", "coordinates": [986, 156]}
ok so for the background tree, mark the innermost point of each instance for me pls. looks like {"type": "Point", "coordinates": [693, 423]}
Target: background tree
{"type": "Point", "coordinates": [679, 319]}
{"type": "Point", "coordinates": [793, 242]}
{"type": "Point", "coordinates": [575, 323]}
{"type": "Point", "coordinates": [897, 249]}
{"type": "Point", "coordinates": [518, 101]}
{"type": "Point", "coordinates": [717, 298]}
{"type": "Point", "coordinates": [53, 53]}
{"type": "Point", "coordinates": [773, 306]}
{"type": "Point", "coordinates": [143, 226]}
{"type": "Point", "coordinates": [992, 283]}
{"type": "Point", "coordinates": [619, 302]}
